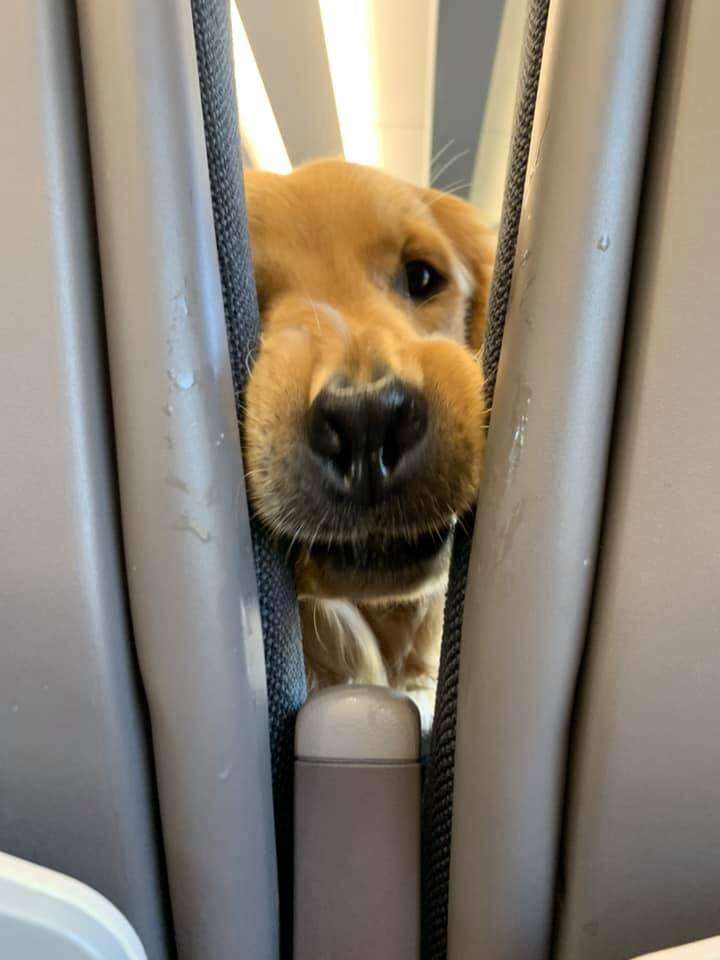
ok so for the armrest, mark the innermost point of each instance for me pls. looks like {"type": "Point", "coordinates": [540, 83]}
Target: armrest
{"type": "Point", "coordinates": [357, 826]}
{"type": "Point", "coordinates": [358, 724]}
{"type": "Point", "coordinates": [47, 914]}
{"type": "Point", "coordinates": [701, 950]}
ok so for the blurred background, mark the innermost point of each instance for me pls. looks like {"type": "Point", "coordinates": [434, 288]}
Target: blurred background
{"type": "Point", "coordinates": [423, 89]}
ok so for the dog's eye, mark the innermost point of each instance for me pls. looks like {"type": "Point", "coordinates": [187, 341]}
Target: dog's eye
{"type": "Point", "coordinates": [421, 280]}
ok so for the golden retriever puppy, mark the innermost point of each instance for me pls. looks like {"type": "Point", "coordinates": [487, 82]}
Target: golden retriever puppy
{"type": "Point", "coordinates": [365, 417]}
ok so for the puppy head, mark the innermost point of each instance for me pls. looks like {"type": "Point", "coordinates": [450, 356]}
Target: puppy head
{"type": "Point", "coordinates": [364, 425]}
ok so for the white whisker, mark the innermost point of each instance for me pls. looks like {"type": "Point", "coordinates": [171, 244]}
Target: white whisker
{"type": "Point", "coordinates": [446, 166]}
{"type": "Point", "coordinates": [311, 303]}
{"type": "Point", "coordinates": [441, 151]}
{"type": "Point", "coordinates": [456, 186]}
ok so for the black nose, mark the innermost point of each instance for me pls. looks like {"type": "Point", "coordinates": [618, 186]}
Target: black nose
{"type": "Point", "coordinates": [368, 440]}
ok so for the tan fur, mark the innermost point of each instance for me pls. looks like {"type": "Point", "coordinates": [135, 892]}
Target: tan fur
{"type": "Point", "coordinates": [327, 241]}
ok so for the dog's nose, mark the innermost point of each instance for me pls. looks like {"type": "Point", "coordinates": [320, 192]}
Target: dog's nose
{"type": "Point", "coordinates": [368, 440]}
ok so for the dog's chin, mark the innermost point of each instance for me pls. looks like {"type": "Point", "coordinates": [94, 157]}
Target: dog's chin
{"type": "Point", "coordinates": [377, 567]}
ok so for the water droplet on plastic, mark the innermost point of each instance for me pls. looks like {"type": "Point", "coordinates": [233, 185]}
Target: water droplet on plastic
{"type": "Point", "coordinates": [14, 708]}
{"type": "Point", "coordinates": [521, 418]}
{"type": "Point", "coordinates": [181, 307]}
{"type": "Point", "coordinates": [177, 483]}
{"type": "Point", "coordinates": [168, 409]}
{"type": "Point", "coordinates": [182, 379]}
{"type": "Point", "coordinates": [225, 774]}
{"type": "Point", "coordinates": [603, 243]}
{"type": "Point", "coordinates": [507, 534]}
{"type": "Point", "coordinates": [219, 441]}
{"type": "Point", "coordinates": [186, 523]}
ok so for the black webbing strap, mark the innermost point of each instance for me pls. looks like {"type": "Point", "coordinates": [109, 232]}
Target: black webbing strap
{"type": "Point", "coordinates": [278, 606]}
{"type": "Point", "coordinates": [438, 797]}
{"type": "Point", "coordinates": [514, 189]}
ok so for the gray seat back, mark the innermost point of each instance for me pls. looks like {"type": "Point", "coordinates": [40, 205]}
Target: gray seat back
{"type": "Point", "coordinates": [531, 568]}
{"type": "Point", "coordinates": [191, 577]}
{"type": "Point", "coordinates": [76, 783]}
{"type": "Point", "coordinates": [641, 865]}
{"type": "Point", "coordinates": [124, 527]}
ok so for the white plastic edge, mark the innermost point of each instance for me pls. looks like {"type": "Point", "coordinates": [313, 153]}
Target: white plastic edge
{"type": "Point", "coordinates": [702, 950]}
{"type": "Point", "coordinates": [358, 724]}
{"type": "Point", "coordinates": [40, 897]}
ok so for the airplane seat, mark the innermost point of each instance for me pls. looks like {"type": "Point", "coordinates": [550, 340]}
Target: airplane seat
{"type": "Point", "coordinates": [584, 807]}
{"type": "Point", "coordinates": [150, 666]}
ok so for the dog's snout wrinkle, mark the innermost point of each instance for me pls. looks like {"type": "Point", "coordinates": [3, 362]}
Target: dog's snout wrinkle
{"type": "Point", "coordinates": [329, 313]}
{"type": "Point", "coordinates": [344, 386]}
{"type": "Point", "coordinates": [368, 442]}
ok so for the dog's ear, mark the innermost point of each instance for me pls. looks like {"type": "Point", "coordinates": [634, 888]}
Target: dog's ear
{"type": "Point", "coordinates": [474, 243]}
